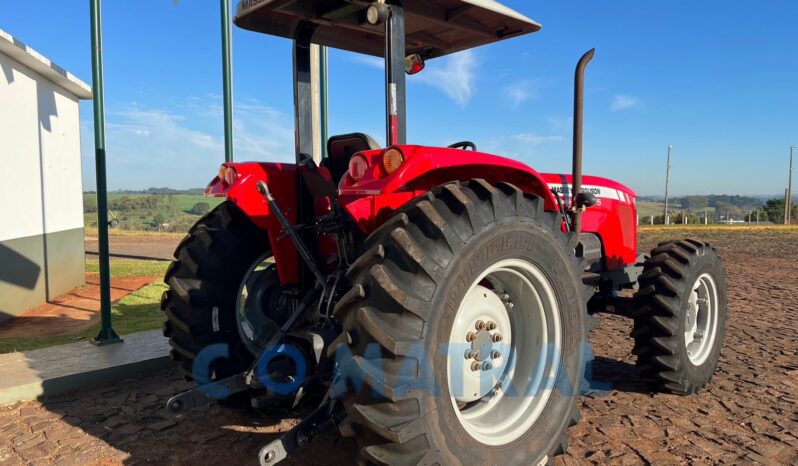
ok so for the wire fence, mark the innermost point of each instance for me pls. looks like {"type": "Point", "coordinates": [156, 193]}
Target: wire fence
{"type": "Point", "coordinates": [749, 217]}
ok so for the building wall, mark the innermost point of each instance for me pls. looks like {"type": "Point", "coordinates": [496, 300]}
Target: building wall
{"type": "Point", "coordinates": [41, 220]}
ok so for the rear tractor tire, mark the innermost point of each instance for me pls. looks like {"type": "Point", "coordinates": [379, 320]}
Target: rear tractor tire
{"type": "Point", "coordinates": [200, 304]}
{"type": "Point", "coordinates": [463, 332]}
{"type": "Point", "coordinates": [680, 323]}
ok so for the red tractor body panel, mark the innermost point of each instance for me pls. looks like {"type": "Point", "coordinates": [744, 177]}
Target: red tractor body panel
{"type": "Point", "coordinates": [372, 199]}
{"type": "Point", "coordinates": [282, 181]}
{"type": "Point", "coordinates": [613, 219]}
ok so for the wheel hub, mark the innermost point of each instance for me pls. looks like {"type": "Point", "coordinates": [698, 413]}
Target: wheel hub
{"type": "Point", "coordinates": [504, 351]}
{"type": "Point", "coordinates": [701, 320]}
{"type": "Point", "coordinates": [482, 345]}
{"type": "Point", "coordinates": [261, 304]}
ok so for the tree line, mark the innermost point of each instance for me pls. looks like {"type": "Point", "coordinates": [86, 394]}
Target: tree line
{"type": "Point", "coordinates": [166, 204]}
{"type": "Point", "coordinates": [717, 201]}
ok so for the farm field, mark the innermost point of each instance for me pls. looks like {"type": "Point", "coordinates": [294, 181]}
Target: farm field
{"type": "Point", "coordinates": [746, 414]}
{"type": "Point", "coordinates": [649, 208]}
{"type": "Point", "coordinates": [150, 212]}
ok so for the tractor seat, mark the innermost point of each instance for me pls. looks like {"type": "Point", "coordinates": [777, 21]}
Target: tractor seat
{"type": "Point", "coordinates": [341, 148]}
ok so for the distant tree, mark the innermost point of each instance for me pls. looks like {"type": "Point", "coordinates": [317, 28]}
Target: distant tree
{"type": "Point", "coordinates": [679, 218]}
{"type": "Point", "coordinates": [200, 208]}
{"type": "Point", "coordinates": [774, 209]}
{"type": "Point", "coordinates": [727, 210]}
{"type": "Point", "coordinates": [158, 220]}
{"type": "Point", "coordinates": [742, 202]}
{"type": "Point", "coordinates": [695, 202]}
{"type": "Point", "coordinates": [89, 206]}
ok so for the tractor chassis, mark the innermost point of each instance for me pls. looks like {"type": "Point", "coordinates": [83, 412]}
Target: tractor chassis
{"type": "Point", "coordinates": [607, 300]}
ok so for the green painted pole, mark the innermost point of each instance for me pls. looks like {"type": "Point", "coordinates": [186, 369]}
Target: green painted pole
{"type": "Point", "coordinates": [107, 334]}
{"type": "Point", "coordinates": [227, 80]}
{"type": "Point", "coordinates": [323, 101]}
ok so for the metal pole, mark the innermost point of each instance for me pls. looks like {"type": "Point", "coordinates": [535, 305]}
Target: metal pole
{"type": "Point", "coordinates": [667, 180]}
{"type": "Point", "coordinates": [227, 80]}
{"type": "Point", "coordinates": [788, 205]}
{"type": "Point", "coordinates": [107, 334]}
{"type": "Point", "coordinates": [786, 194]}
{"type": "Point", "coordinates": [323, 100]}
{"type": "Point", "coordinates": [395, 89]}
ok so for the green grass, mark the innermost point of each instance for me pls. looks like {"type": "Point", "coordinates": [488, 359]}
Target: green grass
{"type": "Point", "coordinates": [187, 201]}
{"type": "Point", "coordinates": [130, 268]}
{"type": "Point", "coordinates": [136, 312]}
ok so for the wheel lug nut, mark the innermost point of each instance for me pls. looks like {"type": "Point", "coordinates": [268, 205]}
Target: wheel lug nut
{"type": "Point", "coordinates": [505, 296]}
{"type": "Point", "coordinates": [486, 366]}
{"type": "Point", "coordinates": [491, 325]}
{"type": "Point", "coordinates": [509, 305]}
{"type": "Point", "coordinates": [495, 354]}
{"type": "Point", "coordinates": [480, 325]}
{"type": "Point", "coordinates": [475, 366]}
{"type": "Point", "coordinates": [497, 338]}
{"type": "Point", "coordinates": [471, 336]}
{"type": "Point", "coordinates": [469, 354]}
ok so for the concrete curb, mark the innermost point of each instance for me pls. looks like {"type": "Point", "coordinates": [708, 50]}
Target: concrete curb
{"type": "Point", "coordinates": [47, 372]}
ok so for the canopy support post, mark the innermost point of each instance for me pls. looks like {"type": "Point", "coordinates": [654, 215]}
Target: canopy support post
{"type": "Point", "coordinates": [107, 334]}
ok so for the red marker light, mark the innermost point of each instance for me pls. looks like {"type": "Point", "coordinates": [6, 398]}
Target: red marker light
{"type": "Point", "coordinates": [358, 166]}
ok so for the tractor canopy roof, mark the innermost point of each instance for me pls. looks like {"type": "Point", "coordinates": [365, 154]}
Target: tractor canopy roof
{"type": "Point", "coordinates": [433, 27]}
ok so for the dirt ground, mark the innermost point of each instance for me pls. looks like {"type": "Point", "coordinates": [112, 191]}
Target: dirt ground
{"type": "Point", "coordinates": [130, 246]}
{"type": "Point", "coordinates": [748, 414]}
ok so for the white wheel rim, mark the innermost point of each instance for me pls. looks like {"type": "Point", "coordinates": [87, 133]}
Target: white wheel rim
{"type": "Point", "coordinates": [701, 320]}
{"type": "Point", "coordinates": [498, 404]}
{"type": "Point", "coordinates": [247, 318]}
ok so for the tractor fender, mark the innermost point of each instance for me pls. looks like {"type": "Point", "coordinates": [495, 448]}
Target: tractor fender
{"type": "Point", "coordinates": [282, 181]}
{"type": "Point", "coordinates": [371, 200]}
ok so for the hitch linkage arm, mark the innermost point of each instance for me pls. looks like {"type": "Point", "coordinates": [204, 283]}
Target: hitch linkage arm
{"type": "Point", "coordinates": [263, 189]}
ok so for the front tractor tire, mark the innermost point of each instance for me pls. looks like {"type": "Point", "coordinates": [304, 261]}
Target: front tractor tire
{"type": "Point", "coordinates": [471, 282]}
{"type": "Point", "coordinates": [200, 303]}
{"type": "Point", "coordinates": [680, 323]}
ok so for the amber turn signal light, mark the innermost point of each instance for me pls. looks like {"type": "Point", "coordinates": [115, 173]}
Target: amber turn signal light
{"type": "Point", "coordinates": [392, 159]}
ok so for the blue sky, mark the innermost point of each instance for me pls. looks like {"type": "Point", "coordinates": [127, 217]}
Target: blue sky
{"type": "Point", "coordinates": [716, 79]}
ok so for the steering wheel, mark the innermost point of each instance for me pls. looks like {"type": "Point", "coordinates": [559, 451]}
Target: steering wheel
{"type": "Point", "coordinates": [464, 145]}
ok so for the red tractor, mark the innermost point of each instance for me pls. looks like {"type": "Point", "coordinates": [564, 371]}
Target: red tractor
{"type": "Point", "coordinates": [431, 302]}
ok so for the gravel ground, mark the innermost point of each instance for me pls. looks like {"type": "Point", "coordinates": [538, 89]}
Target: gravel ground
{"type": "Point", "coordinates": [748, 413]}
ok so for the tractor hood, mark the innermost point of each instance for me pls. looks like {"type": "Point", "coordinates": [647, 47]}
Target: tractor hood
{"type": "Point", "coordinates": [433, 27]}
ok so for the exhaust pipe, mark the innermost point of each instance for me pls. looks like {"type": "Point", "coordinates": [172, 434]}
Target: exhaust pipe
{"type": "Point", "coordinates": [576, 179]}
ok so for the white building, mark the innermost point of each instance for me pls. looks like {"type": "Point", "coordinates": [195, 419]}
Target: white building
{"type": "Point", "coordinates": [41, 220]}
